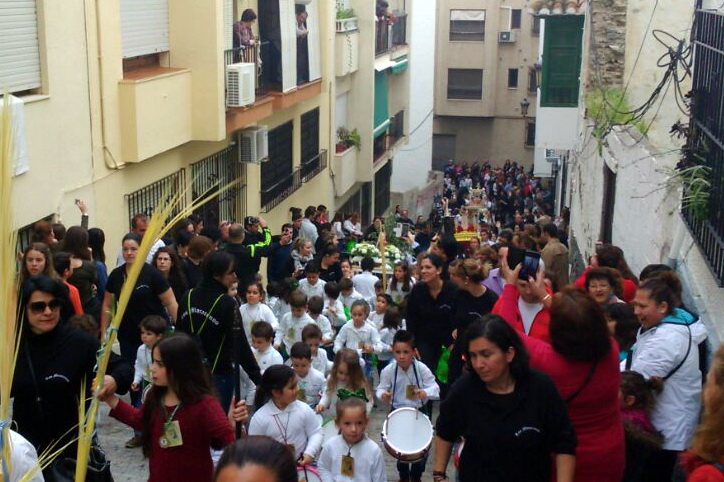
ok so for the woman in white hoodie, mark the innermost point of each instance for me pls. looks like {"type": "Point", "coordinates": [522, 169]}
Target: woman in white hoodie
{"type": "Point", "coordinates": [667, 346]}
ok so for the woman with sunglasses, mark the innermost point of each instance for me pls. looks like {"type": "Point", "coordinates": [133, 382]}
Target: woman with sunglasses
{"type": "Point", "coordinates": [54, 361]}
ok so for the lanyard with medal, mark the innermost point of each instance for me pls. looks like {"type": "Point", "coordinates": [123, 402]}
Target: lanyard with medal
{"type": "Point", "coordinates": [347, 463]}
{"type": "Point", "coordinates": [171, 431]}
{"type": "Point", "coordinates": [410, 387]}
{"type": "Point", "coordinates": [283, 432]}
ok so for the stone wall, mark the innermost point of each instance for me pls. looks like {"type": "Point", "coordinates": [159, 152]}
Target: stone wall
{"type": "Point", "coordinates": [608, 45]}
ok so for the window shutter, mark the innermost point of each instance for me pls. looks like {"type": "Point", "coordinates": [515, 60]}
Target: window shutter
{"type": "Point", "coordinates": [19, 51]}
{"type": "Point", "coordinates": [561, 61]}
{"type": "Point", "coordinates": [288, 27]}
{"type": "Point", "coordinates": [229, 24]}
{"type": "Point", "coordinates": [313, 41]}
{"type": "Point", "coordinates": [144, 27]}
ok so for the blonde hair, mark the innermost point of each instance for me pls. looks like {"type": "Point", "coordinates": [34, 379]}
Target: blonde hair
{"type": "Point", "coordinates": [356, 378]}
{"type": "Point", "coordinates": [708, 442]}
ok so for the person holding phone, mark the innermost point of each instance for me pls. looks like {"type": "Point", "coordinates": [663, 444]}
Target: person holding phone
{"type": "Point", "coordinates": [520, 304]}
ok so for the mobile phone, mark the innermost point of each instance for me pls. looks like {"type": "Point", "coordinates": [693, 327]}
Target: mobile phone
{"type": "Point", "coordinates": [531, 261]}
{"type": "Point", "coordinates": [516, 256]}
{"type": "Point", "coordinates": [405, 230]}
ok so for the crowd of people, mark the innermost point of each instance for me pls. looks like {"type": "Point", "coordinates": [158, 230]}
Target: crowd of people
{"type": "Point", "coordinates": [539, 376]}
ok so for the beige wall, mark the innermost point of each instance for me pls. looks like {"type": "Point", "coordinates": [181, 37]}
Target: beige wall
{"type": "Point", "coordinates": [493, 57]}
{"type": "Point", "coordinates": [480, 139]}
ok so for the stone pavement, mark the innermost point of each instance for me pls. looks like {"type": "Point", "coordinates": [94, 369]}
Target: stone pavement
{"type": "Point", "coordinates": [128, 465]}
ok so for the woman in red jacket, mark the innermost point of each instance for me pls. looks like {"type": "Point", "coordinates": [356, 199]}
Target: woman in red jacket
{"type": "Point", "coordinates": [582, 359]}
{"type": "Point", "coordinates": [705, 461]}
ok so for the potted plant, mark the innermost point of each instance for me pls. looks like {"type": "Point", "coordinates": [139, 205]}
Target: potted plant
{"type": "Point", "coordinates": [346, 19]}
{"type": "Point", "coordinates": [347, 139]}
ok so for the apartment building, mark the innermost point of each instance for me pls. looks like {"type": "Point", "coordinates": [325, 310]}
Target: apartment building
{"type": "Point", "coordinates": [485, 81]}
{"type": "Point", "coordinates": [121, 102]}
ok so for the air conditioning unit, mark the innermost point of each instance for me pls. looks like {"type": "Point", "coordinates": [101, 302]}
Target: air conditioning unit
{"type": "Point", "coordinates": [253, 144]}
{"type": "Point", "coordinates": [506, 36]}
{"type": "Point", "coordinates": [240, 84]}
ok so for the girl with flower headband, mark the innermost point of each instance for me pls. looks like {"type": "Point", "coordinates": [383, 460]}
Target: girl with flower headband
{"type": "Point", "coordinates": [346, 379]}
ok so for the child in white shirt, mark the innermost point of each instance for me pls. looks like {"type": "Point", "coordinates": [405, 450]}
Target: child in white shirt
{"type": "Point", "coordinates": [391, 324]}
{"type": "Point", "coordinates": [314, 310]}
{"type": "Point", "coordinates": [346, 374]}
{"type": "Point", "coordinates": [272, 299]}
{"type": "Point", "coordinates": [361, 336]}
{"type": "Point", "coordinates": [311, 285]}
{"type": "Point", "coordinates": [254, 310]}
{"type": "Point", "coordinates": [364, 282]}
{"type": "Point", "coordinates": [284, 418]}
{"type": "Point", "coordinates": [261, 337]}
{"type": "Point", "coordinates": [347, 294]}
{"type": "Point", "coordinates": [351, 455]}
{"type": "Point", "coordinates": [152, 329]}
{"type": "Point", "coordinates": [333, 307]}
{"type": "Point", "coordinates": [382, 303]}
{"type": "Point", "coordinates": [407, 382]}
{"type": "Point", "coordinates": [292, 324]}
{"type": "Point", "coordinates": [310, 382]}
{"type": "Point", "coordinates": [312, 336]}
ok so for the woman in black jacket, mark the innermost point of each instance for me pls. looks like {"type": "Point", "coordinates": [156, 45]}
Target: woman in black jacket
{"type": "Point", "coordinates": [207, 312]}
{"type": "Point", "coordinates": [430, 310]}
{"type": "Point", "coordinates": [53, 363]}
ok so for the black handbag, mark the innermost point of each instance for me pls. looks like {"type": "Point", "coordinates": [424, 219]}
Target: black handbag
{"type": "Point", "coordinates": [63, 468]}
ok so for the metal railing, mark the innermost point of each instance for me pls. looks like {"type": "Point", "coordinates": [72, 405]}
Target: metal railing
{"type": "Point", "coordinates": [253, 54]}
{"type": "Point", "coordinates": [314, 166]}
{"type": "Point", "coordinates": [397, 127]}
{"type": "Point", "coordinates": [382, 36]}
{"type": "Point", "coordinates": [706, 135]}
{"type": "Point", "coordinates": [212, 173]}
{"type": "Point", "coordinates": [145, 200]}
{"type": "Point", "coordinates": [274, 195]}
{"type": "Point", "coordinates": [399, 30]}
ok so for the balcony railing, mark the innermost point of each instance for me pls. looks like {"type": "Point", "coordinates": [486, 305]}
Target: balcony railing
{"type": "Point", "coordinates": [706, 136]}
{"type": "Point", "coordinates": [390, 32]}
{"type": "Point", "coordinates": [382, 36]}
{"type": "Point", "coordinates": [397, 128]}
{"type": "Point", "coordinates": [274, 195]}
{"type": "Point", "coordinates": [253, 54]}
{"type": "Point", "coordinates": [314, 166]}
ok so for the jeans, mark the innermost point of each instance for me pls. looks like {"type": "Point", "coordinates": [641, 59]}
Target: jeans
{"type": "Point", "coordinates": [224, 385]}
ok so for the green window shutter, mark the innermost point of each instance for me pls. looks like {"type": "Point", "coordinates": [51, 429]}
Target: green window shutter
{"type": "Point", "coordinates": [382, 116]}
{"type": "Point", "coordinates": [561, 61]}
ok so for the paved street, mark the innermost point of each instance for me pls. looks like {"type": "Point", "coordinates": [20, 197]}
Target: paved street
{"type": "Point", "coordinates": [128, 465]}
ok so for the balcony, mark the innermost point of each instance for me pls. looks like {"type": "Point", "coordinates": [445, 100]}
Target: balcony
{"type": "Point", "coordinates": [345, 169]}
{"type": "Point", "coordinates": [314, 166]}
{"type": "Point", "coordinates": [389, 139]}
{"type": "Point", "coordinates": [156, 112]}
{"type": "Point", "coordinates": [390, 32]}
{"type": "Point", "coordinates": [274, 195]}
{"type": "Point", "coordinates": [346, 47]}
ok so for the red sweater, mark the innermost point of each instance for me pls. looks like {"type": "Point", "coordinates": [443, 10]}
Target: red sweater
{"type": "Point", "coordinates": [203, 425]}
{"type": "Point", "coordinates": [699, 470]}
{"type": "Point", "coordinates": [629, 287]}
{"type": "Point", "coordinates": [507, 307]}
{"type": "Point", "coordinates": [595, 412]}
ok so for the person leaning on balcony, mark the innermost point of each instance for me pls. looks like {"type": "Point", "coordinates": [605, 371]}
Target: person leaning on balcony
{"type": "Point", "coordinates": [243, 36]}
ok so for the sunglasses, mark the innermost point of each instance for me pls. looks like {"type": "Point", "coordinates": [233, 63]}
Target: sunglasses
{"type": "Point", "coordinates": [40, 306]}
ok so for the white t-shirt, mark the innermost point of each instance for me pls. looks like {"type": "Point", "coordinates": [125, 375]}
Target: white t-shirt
{"type": "Point", "coordinates": [528, 312]}
{"type": "Point", "coordinates": [369, 464]}
{"type": "Point", "coordinates": [296, 425]}
{"type": "Point", "coordinates": [250, 314]}
{"type": "Point", "coordinates": [364, 283]}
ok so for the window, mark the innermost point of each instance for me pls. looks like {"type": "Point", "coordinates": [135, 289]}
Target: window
{"type": "Point", "coordinates": [212, 173]}
{"type": "Point", "coordinates": [464, 84]}
{"type": "Point", "coordinates": [515, 18]}
{"type": "Point", "coordinates": [19, 46]}
{"type": "Point", "coordinates": [561, 61]}
{"type": "Point", "coordinates": [512, 78]}
{"type": "Point", "coordinates": [532, 81]}
{"type": "Point", "coordinates": [145, 200]}
{"type": "Point", "coordinates": [530, 134]}
{"type": "Point", "coordinates": [467, 25]}
{"type": "Point", "coordinates": [535, 29]}
{"type": "Point", "coordinates": [382, 189]}
{"type": "Point", "coordinates": [277, 175]}
{"type": "Point", "coordinates": [144, 27]}
{"type": "Point", "coordinates": [310, 143]}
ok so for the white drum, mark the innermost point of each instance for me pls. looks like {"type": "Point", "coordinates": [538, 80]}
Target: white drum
{"type": "Point", "coordinates": [307, 473]}
{"type": "Point", "coordinates": [407, 434]}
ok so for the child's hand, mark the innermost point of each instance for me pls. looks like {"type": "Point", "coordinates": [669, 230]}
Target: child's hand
{"type": "Point", "coordinates": [135, 386]}
{"type": "Point", "coordinates": [306, 459]}
{"type": "Point", "coordinates": [420, 394]}
{"type": "Point", "coordinates": [320, 408]}
{"type": "Point", "coordinates": [238, 411]}
{"type": "Point", "coordinates": [386, 397]}
{"type": "Point", "coordinates": [368, 348]}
